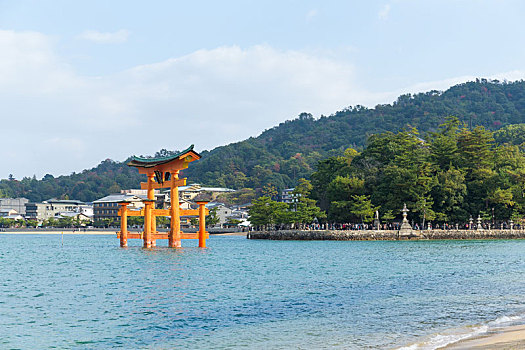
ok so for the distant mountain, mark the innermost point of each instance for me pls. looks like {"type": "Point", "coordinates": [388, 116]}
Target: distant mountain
{"type": "Point", "coordinates": [291, 150]}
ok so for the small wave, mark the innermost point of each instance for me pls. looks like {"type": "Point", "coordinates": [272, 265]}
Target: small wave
{"type": "Point", "coordinates": [455, 335]}
{"type": "Point", "coordinates": [503, 320]}
{"type": "Point", "coordinates": [444, 339]}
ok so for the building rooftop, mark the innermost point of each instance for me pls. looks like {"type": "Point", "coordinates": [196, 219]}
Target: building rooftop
{"type": "Point", "coordinates": [118, 197]}
{"type": "Point", "coordinates": [140, 162]}
{"type": "Point", "coordinates": [64, 201]}
{"type": "Point", "coordinates": [69, 214]}
{"type": "Point", "coordinates": [199, 188]}
{"type": "Point", "coordinates": [215, 204]}
{"type": "Point", "coordinates": [14, 217]}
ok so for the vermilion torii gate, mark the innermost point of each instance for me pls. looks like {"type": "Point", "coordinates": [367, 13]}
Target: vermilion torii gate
{"type": "Point", "coordinates": [163, 172]}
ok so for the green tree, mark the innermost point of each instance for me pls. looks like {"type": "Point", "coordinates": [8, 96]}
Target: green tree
{"type": "Point", "coordinates": [66, 221]}
{"type": "Point", "coordinates": [242, 196]}
{"type": "Point", "coordinates": [265, 212]}
{"type": "Point", "coordinates": [448, 194]}
{"type": "Point", "coordinates": [233, 222]}
{"type": "Point", "coordinates": [424, 208]}
{"type": "Point", "coordinates": [362, 208]}
{"type": "Point", "coordinates": [135, 220]}
{"type": "Point", "coordinates": [512, 134]}
{"type": "Point", "coordinates": [304, 209]}
{"type": "Point", "coordinates": [388, 216]}
{"type": "Point", "coordinates": [31, 223]}
{"type": "Point", "coordinates": [212, 218]}
{"type": "Point", "coordinates": [163, 221]}
{"type": "Point", "coordinates": [51, 222]}
{"type": "Point", "coordinates": [270, 191]}
{"type": "Point", "coordinates": [396, 169]}
{"type": "Point", "coordinates": [443, 144]}
{"type": "Point", "coordinates": [475, 148]}
{"type": "Point", "coordinates": [327, 171]}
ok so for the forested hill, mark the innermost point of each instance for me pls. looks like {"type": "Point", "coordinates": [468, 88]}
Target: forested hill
{"type": "Point", "coordinates": [291, 150]}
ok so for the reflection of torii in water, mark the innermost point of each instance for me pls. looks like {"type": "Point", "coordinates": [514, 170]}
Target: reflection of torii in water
{"type": "Point", "coordinates": [163, 172]}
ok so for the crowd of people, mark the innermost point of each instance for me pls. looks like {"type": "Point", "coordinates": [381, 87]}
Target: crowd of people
{"type": "Point", "coordinates": [395, 226]}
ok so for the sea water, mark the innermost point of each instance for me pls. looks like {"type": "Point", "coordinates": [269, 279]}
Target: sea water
{"type": "Point", "coordinates": [85, 292]}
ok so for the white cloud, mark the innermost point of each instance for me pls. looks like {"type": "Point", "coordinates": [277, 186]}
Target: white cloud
{"type": "Point", "coordinates": [117, 37]}
{"type": "Point", "coordinates": [384, 12]}
{"type": "Point", "coordinates": [209, 97]}
{"type": "Point", "coordinates": [56, 121]}
{"type": "Point", "coordinates": [28, 64]}
{"type": "Point", "coordinates": [311, 14]}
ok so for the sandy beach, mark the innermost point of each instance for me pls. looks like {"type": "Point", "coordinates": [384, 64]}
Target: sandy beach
{"type": "Point", "coordinates": [229, 234]}
{"type": "Point", "coordinates": [499, 339]}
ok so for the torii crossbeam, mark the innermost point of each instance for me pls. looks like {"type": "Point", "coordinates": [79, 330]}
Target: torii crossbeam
{"type": "Point", "coordinates": [163, 172]}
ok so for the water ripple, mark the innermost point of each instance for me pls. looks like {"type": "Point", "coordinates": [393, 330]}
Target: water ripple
{"type": "Point", "coordinates": [238, 293]}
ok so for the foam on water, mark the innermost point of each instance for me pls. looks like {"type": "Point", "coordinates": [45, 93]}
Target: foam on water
{"type": "Point", "coordinates": [505, 320]}
{"type": "Point", "coordinates": [446, 338]}
{"type": "Point", "coordinates": [452, 336]}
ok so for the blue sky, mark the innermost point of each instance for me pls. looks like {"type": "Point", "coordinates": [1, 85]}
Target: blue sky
{"type": "Point", "coordinates": [80, 81]}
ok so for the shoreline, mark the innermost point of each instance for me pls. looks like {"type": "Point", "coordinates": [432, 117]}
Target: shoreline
{"type": "Point", "coordinates": [506, 332]}
{"type": "Point", "coordinates": [229, 234]}
{"type": "Point", "coordinates": [511, 337]}
{"type": "Point", "coordinates": [385, 235]}
{"type": "Point", "coordinates": [94, 232]}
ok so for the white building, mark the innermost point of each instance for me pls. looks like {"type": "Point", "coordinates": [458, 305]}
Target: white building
{"type": "Point", "coordinates": [191, 191]}
{"type": "Point", "coordinates": [18, 204]}
{"type": "Point", "coordinates": [287, 195]}
{"type": "Point", "coordinates": [107, 207]}
{"type": "Point", "coordinates": [80, 217]}
{"type": "Point", "coordinates": [51, 207]}
{"type": "Point", "coordinates": [87, 210]}
{"type": "Point", "coordinates": [223, 212]}
{"type": "Point", "coordinates": [7, 212]}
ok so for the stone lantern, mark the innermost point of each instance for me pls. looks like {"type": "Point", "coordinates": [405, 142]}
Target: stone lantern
{"type": "Point", "coordinates": [405, 230]}
{"type": "Point", "coordinates": [479, 226]}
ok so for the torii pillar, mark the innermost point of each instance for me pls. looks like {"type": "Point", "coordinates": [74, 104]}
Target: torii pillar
{"type": "Point", "coordinates": [202, 224]}
{"type": "Point", "coordinates": [151, 197]}
{"type": "Point", "coordinates": [124, 224]}
{"type": "Point", "coordinates": [174, 237]}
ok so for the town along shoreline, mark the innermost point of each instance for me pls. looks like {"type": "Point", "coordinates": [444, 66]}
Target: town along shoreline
{"type": "Point", "coordinates": [383, 235]}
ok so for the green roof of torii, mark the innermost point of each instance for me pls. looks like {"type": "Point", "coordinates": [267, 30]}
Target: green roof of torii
{"type": "Point", "coordinates": [152, 162]}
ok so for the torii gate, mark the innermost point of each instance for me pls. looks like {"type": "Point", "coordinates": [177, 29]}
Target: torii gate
{"type": "Point", "coordinates": [163, 172]}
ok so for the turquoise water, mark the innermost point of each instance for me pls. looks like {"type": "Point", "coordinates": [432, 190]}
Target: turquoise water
{"type": "Point", "coordinates": [87, 293]}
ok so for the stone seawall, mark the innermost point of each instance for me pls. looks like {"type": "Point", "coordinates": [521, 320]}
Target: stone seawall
{"type": "Point", "coordinates": [383, 235]}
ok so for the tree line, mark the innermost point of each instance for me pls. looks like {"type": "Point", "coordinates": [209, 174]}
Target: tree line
{"type": "Point", "coordinates": [445, 176]}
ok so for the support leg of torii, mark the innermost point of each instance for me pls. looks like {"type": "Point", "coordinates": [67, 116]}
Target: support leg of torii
{"type": "Point", "coordinates": [174, 237]}
{"type": "Point", "coordinates": [151, 196]}
{"type": "Point", "coordinates": [153, 226]}
{"type": "Point", "coordinates": [147, 224]}
{"type": "Point", "coordinates": [202, 225]}
{"type": "Point", "coordinates": [124, 224]}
